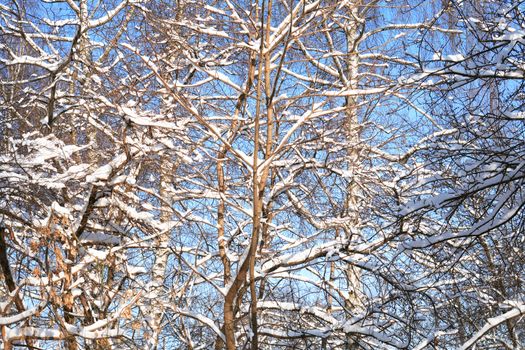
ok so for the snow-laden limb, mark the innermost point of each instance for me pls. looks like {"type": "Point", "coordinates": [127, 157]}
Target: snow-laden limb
{"type": "Point", "coordinates": [33, 332]}
{"type": "Point", "coordinates": [433, 338]}
{"type": "Point", "coordinates": [518, 309]}
{"type": "Point", "coordinates": [203, 319]}
{"type": "Point", "coordinates": [500, 217]}
{"type": "Point", "coordinates": [18, 333]}
{"type": "Point", "coordinates": [100, 238]}
{"type": "Point", "coordinates": [7, 320]}
{"type": "Point", "coordinates": [298, 258]}
{"type": "Point", "coordinates": [331, 326]}
{"type": "Point", "coordinates": [94, 23]}
{"type": "Point", "coordinates": [383, 338]}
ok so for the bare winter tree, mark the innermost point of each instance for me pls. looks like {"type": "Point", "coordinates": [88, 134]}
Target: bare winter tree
{"type": "Point", "coordinates": [79, 194]}
{"type": "Point", "coordinates": [464, 213]}
{"type": "Point", "coordinates": [293, 173]}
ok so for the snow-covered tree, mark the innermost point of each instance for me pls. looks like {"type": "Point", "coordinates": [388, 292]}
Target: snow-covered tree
{"type": "Point", "coordinates": [463, 203]}
{"type": "Point", "coordinates": [232, 174]}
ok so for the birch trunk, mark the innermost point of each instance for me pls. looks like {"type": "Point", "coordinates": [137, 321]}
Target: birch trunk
{"type": "Point", "coordinates": [353, 195]}
{"type": "Point", "coordinates": [161, 259]}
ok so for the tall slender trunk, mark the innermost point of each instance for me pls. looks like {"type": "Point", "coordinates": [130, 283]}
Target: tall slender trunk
{"type": "Point", "coordinates": [222, 188]}
{"type": "Point", "coordinates": [161, 258]}
{"type": "Point", "coordinates": [352, 134]}
{"type": "Point", "coordinates": [259, 183]}
{"type": "Point", "coordinates": [248, 265]}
